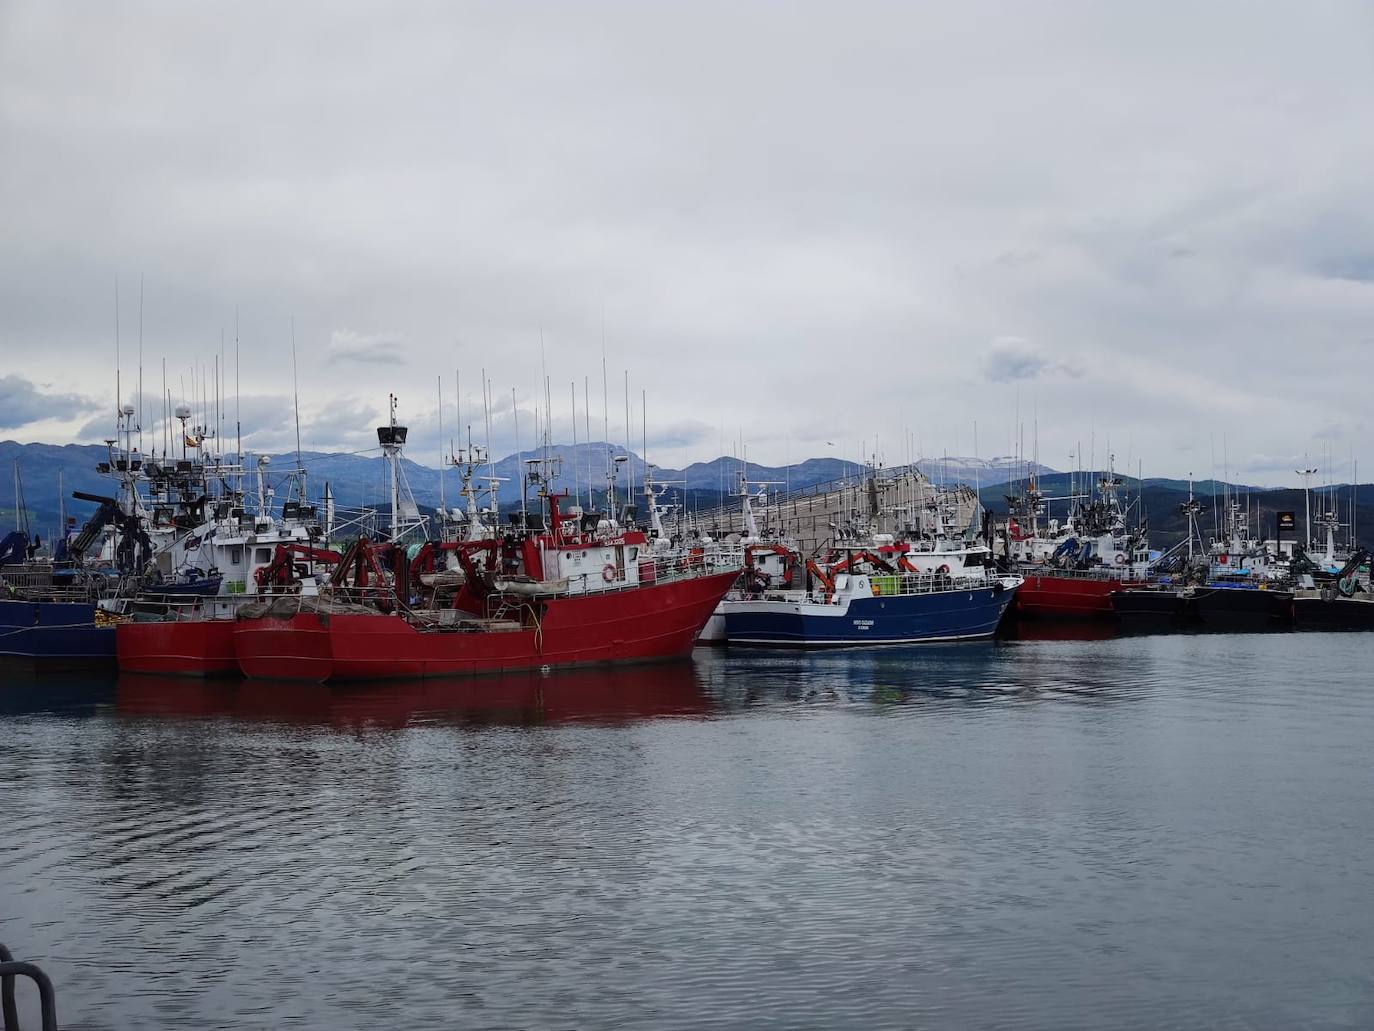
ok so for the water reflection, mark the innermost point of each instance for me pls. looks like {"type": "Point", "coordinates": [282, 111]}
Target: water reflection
{"type": "Point", "coordinates": [603, 695]}
{"type": "Point", "coordinates": [969, 674]}
{"type": "Point", "coordinates": [24, 692]}
{"type": "Point", "coordinates": [1059, 630]}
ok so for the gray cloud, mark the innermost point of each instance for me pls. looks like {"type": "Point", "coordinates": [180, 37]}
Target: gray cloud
{"type": "Point", "coordinates": [1010, 359]}
{"type": "Point", "coordinates": [891, 189]}
{"type": "Point", "coordinates": [23, 403]}
{"type": "Point", "coordinates": [347, 345]}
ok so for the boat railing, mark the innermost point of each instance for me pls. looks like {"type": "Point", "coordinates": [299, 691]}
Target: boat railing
{"type": "Point", "coordinates": [898, 584]}
{"type": "Point", "coordinates": [663, 569]}
{"type": "Point", "coordinates": [1127, 573]}
{"type": "Point", "coordinates": [382, 597]}
{"type": "Point", "coordinates": [66, 595]}
{"type": "Point", "coordinates": [179, 608]}
{"type": "Point", "coordinates": [882, 585]}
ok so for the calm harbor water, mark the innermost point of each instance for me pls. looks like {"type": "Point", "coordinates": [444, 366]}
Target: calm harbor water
{"type": "Point", "coordinates": [1150, 831]}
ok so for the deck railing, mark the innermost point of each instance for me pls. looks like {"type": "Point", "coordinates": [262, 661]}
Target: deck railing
{"type": "Point", "coordinates": [894, 585]}
{"type": "Point", "coordinates": [1125, 573]}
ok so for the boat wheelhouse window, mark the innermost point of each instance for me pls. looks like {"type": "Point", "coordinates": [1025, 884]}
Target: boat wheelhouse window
{"type": "Point", "coordinates": [264, 556]}
{"type": "Point", "coordinates": [235, 555]}
{"type": "Point", "coordinates": [631, 554]}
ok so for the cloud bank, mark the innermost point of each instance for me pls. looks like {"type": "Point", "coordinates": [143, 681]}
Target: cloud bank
{"type": "Point", "coordinates": [855, 223]}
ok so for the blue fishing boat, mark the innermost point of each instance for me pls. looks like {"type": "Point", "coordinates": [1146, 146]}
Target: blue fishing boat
{"type": "Point", "coordinates": [55, 634]}
{"type": "Point", "coordinates": [848, 609]}
{"type": "Point", "coordinates": [48, 612]}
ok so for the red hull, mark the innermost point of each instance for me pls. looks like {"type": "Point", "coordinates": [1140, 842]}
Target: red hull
{"type": "Point", "coordinates": [203, 648]}
{"type": "Point", "coordinates": [1066, 597]}
{"type": "Point", "coordinates": [655, 622]}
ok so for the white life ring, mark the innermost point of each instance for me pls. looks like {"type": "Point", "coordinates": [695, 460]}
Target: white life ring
{"type": "Point", "coordinates": [1121, 559]}
{"type": "Point", "coordinates": [608, 574]}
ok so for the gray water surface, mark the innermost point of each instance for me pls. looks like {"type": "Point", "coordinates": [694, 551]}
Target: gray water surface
{"type": "Point", "coordinates": [1153, 831]}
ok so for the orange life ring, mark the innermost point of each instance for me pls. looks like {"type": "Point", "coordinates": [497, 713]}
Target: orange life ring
{"type": "Point", "coordinates": [943, 570]}
{"type": "Point", "coordinates": [608, 574]}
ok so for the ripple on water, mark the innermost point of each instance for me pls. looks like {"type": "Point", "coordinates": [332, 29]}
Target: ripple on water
{"type": "Point", "coordinates": [1137, 831]}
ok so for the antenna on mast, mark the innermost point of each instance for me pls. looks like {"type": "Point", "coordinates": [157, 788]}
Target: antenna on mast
{"type": "Point", "coordinates": [140, 361]}
{"type": "Point", "coordinates": [295, 391]}
{"type": "Point", "coordinates": [606, 422]}
{"type": "Point", "coordinates": [577, 472]}
{"type": "Point", "coordinates": [519, 457]}
{"type": "Point", "coordinates": [296, 402]}
{"type": "Point", "coordinates": [119, 389]}
{"type": "Point", "coordinates": [219, 411]}
{"type": "Point", "coordinates": [441, 447]}
{"type": "Point", "coordinates": [238, 414]}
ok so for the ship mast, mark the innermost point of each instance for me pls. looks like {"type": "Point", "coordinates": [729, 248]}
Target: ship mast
{"type": "Point", "coordinates": [391, 437]}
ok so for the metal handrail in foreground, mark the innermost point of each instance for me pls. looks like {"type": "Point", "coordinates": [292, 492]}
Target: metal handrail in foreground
{"type": "Point", "coordinates": [47, 998]}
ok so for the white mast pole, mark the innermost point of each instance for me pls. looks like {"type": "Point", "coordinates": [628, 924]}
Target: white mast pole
{"type": "Point", "coordinates": [395, 486]}
{"type": "Point", "coordinates": [441, 445]}
{"type": "Point", "coordinates": [577, 473]}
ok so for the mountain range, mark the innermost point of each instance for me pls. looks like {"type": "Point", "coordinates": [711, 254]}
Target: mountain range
{"type": "Point", "coordinates": [362, 480]}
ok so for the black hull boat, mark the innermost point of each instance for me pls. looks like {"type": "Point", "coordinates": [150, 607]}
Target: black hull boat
{"type": "Point", "coordinates": [1149, 606]}
{"type": "Point", "coordinates": [1328, 609]}
{"type": "Point", "coordinates": [1238, 608]}
{"type": "Point", "coordinates": [1210, 607]}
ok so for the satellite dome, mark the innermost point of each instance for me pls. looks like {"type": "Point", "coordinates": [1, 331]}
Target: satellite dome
{"type": "Point", "coordinates": [183, 411]}
{"type": "Point", "coordinates": [127, 410]}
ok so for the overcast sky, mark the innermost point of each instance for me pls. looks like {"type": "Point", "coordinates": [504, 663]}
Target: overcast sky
{"type": "Point", "coordinates": [792, 224]}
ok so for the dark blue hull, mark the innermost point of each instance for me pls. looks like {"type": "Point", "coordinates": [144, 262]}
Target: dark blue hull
{"type": "Point", "coordinates": [54, 634]}
{"type": "Point", "coordinates": [900, 619]}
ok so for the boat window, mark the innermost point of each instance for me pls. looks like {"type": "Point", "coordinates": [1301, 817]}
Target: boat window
{"type": "Point", "coordinates": [235, 555]}
{"type": "Point", "coordinates": [264, 556]}
{"type": "Point", "coordinates": [630, 554]}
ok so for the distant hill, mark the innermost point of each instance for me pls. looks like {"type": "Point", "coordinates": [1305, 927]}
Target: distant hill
{"type": "Point", "coordinates": [362, 480]}
{"type": "Point", "coordinates": [1163, 498]}
{"type": "Point", "coordinates": [980, 471]}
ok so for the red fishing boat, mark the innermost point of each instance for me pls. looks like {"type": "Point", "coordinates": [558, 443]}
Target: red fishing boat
{"type": "Point", "coordinates": [581, 593]}
{"type": "Point", "coordinates": [1072, 568]}
{"type": "Point", "coordinates": [184, 647]}
{"type": "Point", "coordinates": [1066, 593]}
{"type": "Point", "coordinates": [172, 635]}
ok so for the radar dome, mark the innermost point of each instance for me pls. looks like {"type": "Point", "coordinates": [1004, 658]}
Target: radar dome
{"type": "Point", "coordinates": [183, 411]}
